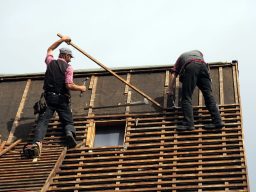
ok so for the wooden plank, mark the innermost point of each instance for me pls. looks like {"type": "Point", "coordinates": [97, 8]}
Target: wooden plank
{"type": "Point", "coordinates": [129, 98]}
{"type": "Point", "coordinates": [128, 79]}
{"type": "Point", "coordinates": [115, 75]}
{"type": "Point", "coordinates": [119, 172]}
{"type": "Point", "coordinates": [2, 145]}
{"type": "Point", "coordinates": [189, 184]}
{"type": "Point", "coordinates": [235, 81]}
{"type": "Point", "coordinates": [10, 147]}
{"type": "Point", "coordinates": [177, 92]}
{"type": "Point", "coordinates": [88, 173]}
{"type": "Point", "coordinates": [90, 134]}
{"type": "Point", "coordinates": [93, 95]}
{"type": "Point", "coordinates": [166, 87]}
{"type": "Point", "coordinates": [155, 149]}
{"type": "Point", "coordinates": [91, 82]}
{"type": "Point", "coordinates": [54, 170]}
{"type": "Point", "coordinates": [149, 157]}
{"type": "Point", "coordinates": [127, 132]}
{"type": "Point", "coordinates": [147, 169]}
{"type": "Point", "coordinates": [18, 114]}
{"type": "Point", "coordinates": [221, 86]}
{"type": "Point", "coordinates": [138, 179]}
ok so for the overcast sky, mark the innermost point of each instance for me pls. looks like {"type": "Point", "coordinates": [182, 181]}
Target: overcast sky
{"type": "Point", "coordinates": [126, 33]}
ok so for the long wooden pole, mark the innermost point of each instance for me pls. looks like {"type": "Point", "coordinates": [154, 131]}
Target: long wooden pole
{"type": "Point", "coordinates": [114, 74]}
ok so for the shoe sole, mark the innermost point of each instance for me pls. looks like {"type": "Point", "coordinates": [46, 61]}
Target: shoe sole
{"type": "Point", "coordinates": [212, 127]}
{"type": "Point", "coordinates": [185, 129]}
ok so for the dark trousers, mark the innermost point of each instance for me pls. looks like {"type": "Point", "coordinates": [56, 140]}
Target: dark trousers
{"type": "Point", "coordinates": [59, 103]}
{"type": "Point", "coordinates": [196, 74]}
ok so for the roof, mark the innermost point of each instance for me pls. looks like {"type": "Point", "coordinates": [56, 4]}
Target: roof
{"type": "Point", "coordinates": [153, 157]}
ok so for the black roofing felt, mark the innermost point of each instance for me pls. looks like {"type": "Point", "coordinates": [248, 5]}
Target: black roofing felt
{"type": "Point", "coordinates": [105, 90]}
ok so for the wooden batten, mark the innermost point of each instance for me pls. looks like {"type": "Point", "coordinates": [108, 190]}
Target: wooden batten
{"type": "Point", "coordinates": [128, 93]}
{"type": "Point", "coordinates": [18, 115]}
{"type": "Point", "coordinates": [93, 86]}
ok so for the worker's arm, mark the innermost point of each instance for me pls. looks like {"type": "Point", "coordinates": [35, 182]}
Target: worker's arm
{"type": "Point", "coordinates": [75, 87]}
{"type": "Point", "coordinates": [172, 84]}
{"type": "Point", "coordinates": [170, 91]}
{"type": "Point", "coordinates": [57, 43]}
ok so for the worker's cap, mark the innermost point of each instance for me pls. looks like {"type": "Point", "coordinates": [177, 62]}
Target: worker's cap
{"type": "Point", "coordinates": [66, 51]}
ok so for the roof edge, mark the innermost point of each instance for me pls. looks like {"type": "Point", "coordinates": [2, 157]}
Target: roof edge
{"type": "Point", "coordinates": [102, 71]}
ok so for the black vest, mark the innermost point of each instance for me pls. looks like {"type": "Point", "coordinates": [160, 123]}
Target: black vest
{"type": "Point", "coordinates": [54, 80]}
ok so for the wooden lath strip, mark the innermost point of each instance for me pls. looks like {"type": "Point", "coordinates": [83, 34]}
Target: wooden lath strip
{"type": "Point", "coordinates": [91, 82]}
{"type": "Point", "coordinates": [237, 100]}
{"type": "Point", "coordinates": [127, 131]}
{"type": "Point", "coordinates": [159, 157]}
{"type": "Point", "coordinates": [136, 180]}
{"type": "Point", "coordinates": [86, 180]}
{"type": "Point", "coordinates": [10, 147]}
{"type": "Point", "coordinates": [128, 79]}
{"type": "Point", "coordinates": [175, 147]}
{"type": "Point", "coordinates": [128, 93]}
{"type": "Point", "coordinates": [78, 174]}
{"type": "Point", "coordinates": [18, 114]}
{"type": "Point", "coordinates": [54, 170]}
{"type": "Point", "coordinates": [167, 168]}
{"type": "Point", "coordinates": [93, 85]}
{"type": "Point", "coordinates": [177, 89]}
{"type": "Point", "coordinates": [90, 133]}
{"type": "Point", "coordinates": [226, 107]}
{"type": "Point", "coordinates": [235, 80]}
{"type": "Point", "coordinates": [128, 100]}
{"type": "Point", "coordinates": [166, 87]}
{"type": "Point", "coordinates": [221, 86]}
{"type": "Point", "coordinates": [221, 78]}
{"type": "Point", "coordinates": [150, 184]}
{"type": "Point", "coordinates": [154, 149]}
{"type": "Point", "coordinates": [2, 145]}
{"type": "Point", "coordinates": [119, 171]}
{"type": "Point", "coordinates": [200, 155]}
{"type": "Point", "coordinates": [66, 174]}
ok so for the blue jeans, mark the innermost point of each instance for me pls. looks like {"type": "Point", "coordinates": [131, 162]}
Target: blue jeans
{"type": "Point", "coordinates": [61, 104]}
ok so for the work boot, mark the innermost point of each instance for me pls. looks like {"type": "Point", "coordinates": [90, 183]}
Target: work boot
{"type": "Point", "coordinates": [185, 127]}
{"type": "Point", "coordinates": [37, 148]}
{"type": "Point", "coordinates": [71, 141]}
{"type": "Point", "coordinates": [32, 150]}
{"type": "Point", "coordinates": [217, 125]}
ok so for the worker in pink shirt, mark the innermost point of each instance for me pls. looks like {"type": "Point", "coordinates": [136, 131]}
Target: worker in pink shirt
{"type": "Point", "coordinates": [57, 85]}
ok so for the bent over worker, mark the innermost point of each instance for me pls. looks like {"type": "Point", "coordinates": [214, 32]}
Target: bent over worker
{"type": "Point", "coordinates": [193, 71]}
{"type": "Point", "coordinates": [57, 85]}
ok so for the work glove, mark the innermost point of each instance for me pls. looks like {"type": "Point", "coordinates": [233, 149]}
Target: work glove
{"type": "Point", "coordinates": [171, 103]}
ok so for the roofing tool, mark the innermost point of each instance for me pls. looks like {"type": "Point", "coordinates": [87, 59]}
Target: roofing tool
{"type": "Point", "coordinates": [135, 103]}
{"type": "Point", "coordinates": [113, 73]}
{"type": "Point", "coordinates": [84, 82]}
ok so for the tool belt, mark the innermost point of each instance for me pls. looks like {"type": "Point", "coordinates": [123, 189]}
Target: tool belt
{"type": "Point", "coordinates": [56, 98]}
{"type": "Point", "coordinates": [40, 106]}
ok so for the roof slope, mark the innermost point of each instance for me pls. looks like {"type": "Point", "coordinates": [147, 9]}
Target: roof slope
{"type": "Point", "coordinates": [154, 157]}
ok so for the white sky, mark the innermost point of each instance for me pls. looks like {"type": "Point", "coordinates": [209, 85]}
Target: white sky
{"type": "Point", "coordinates": [126, 33]}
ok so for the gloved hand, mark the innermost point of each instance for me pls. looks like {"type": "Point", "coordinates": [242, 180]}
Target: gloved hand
{"type": "Point", "coordinates": [171, 102]}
